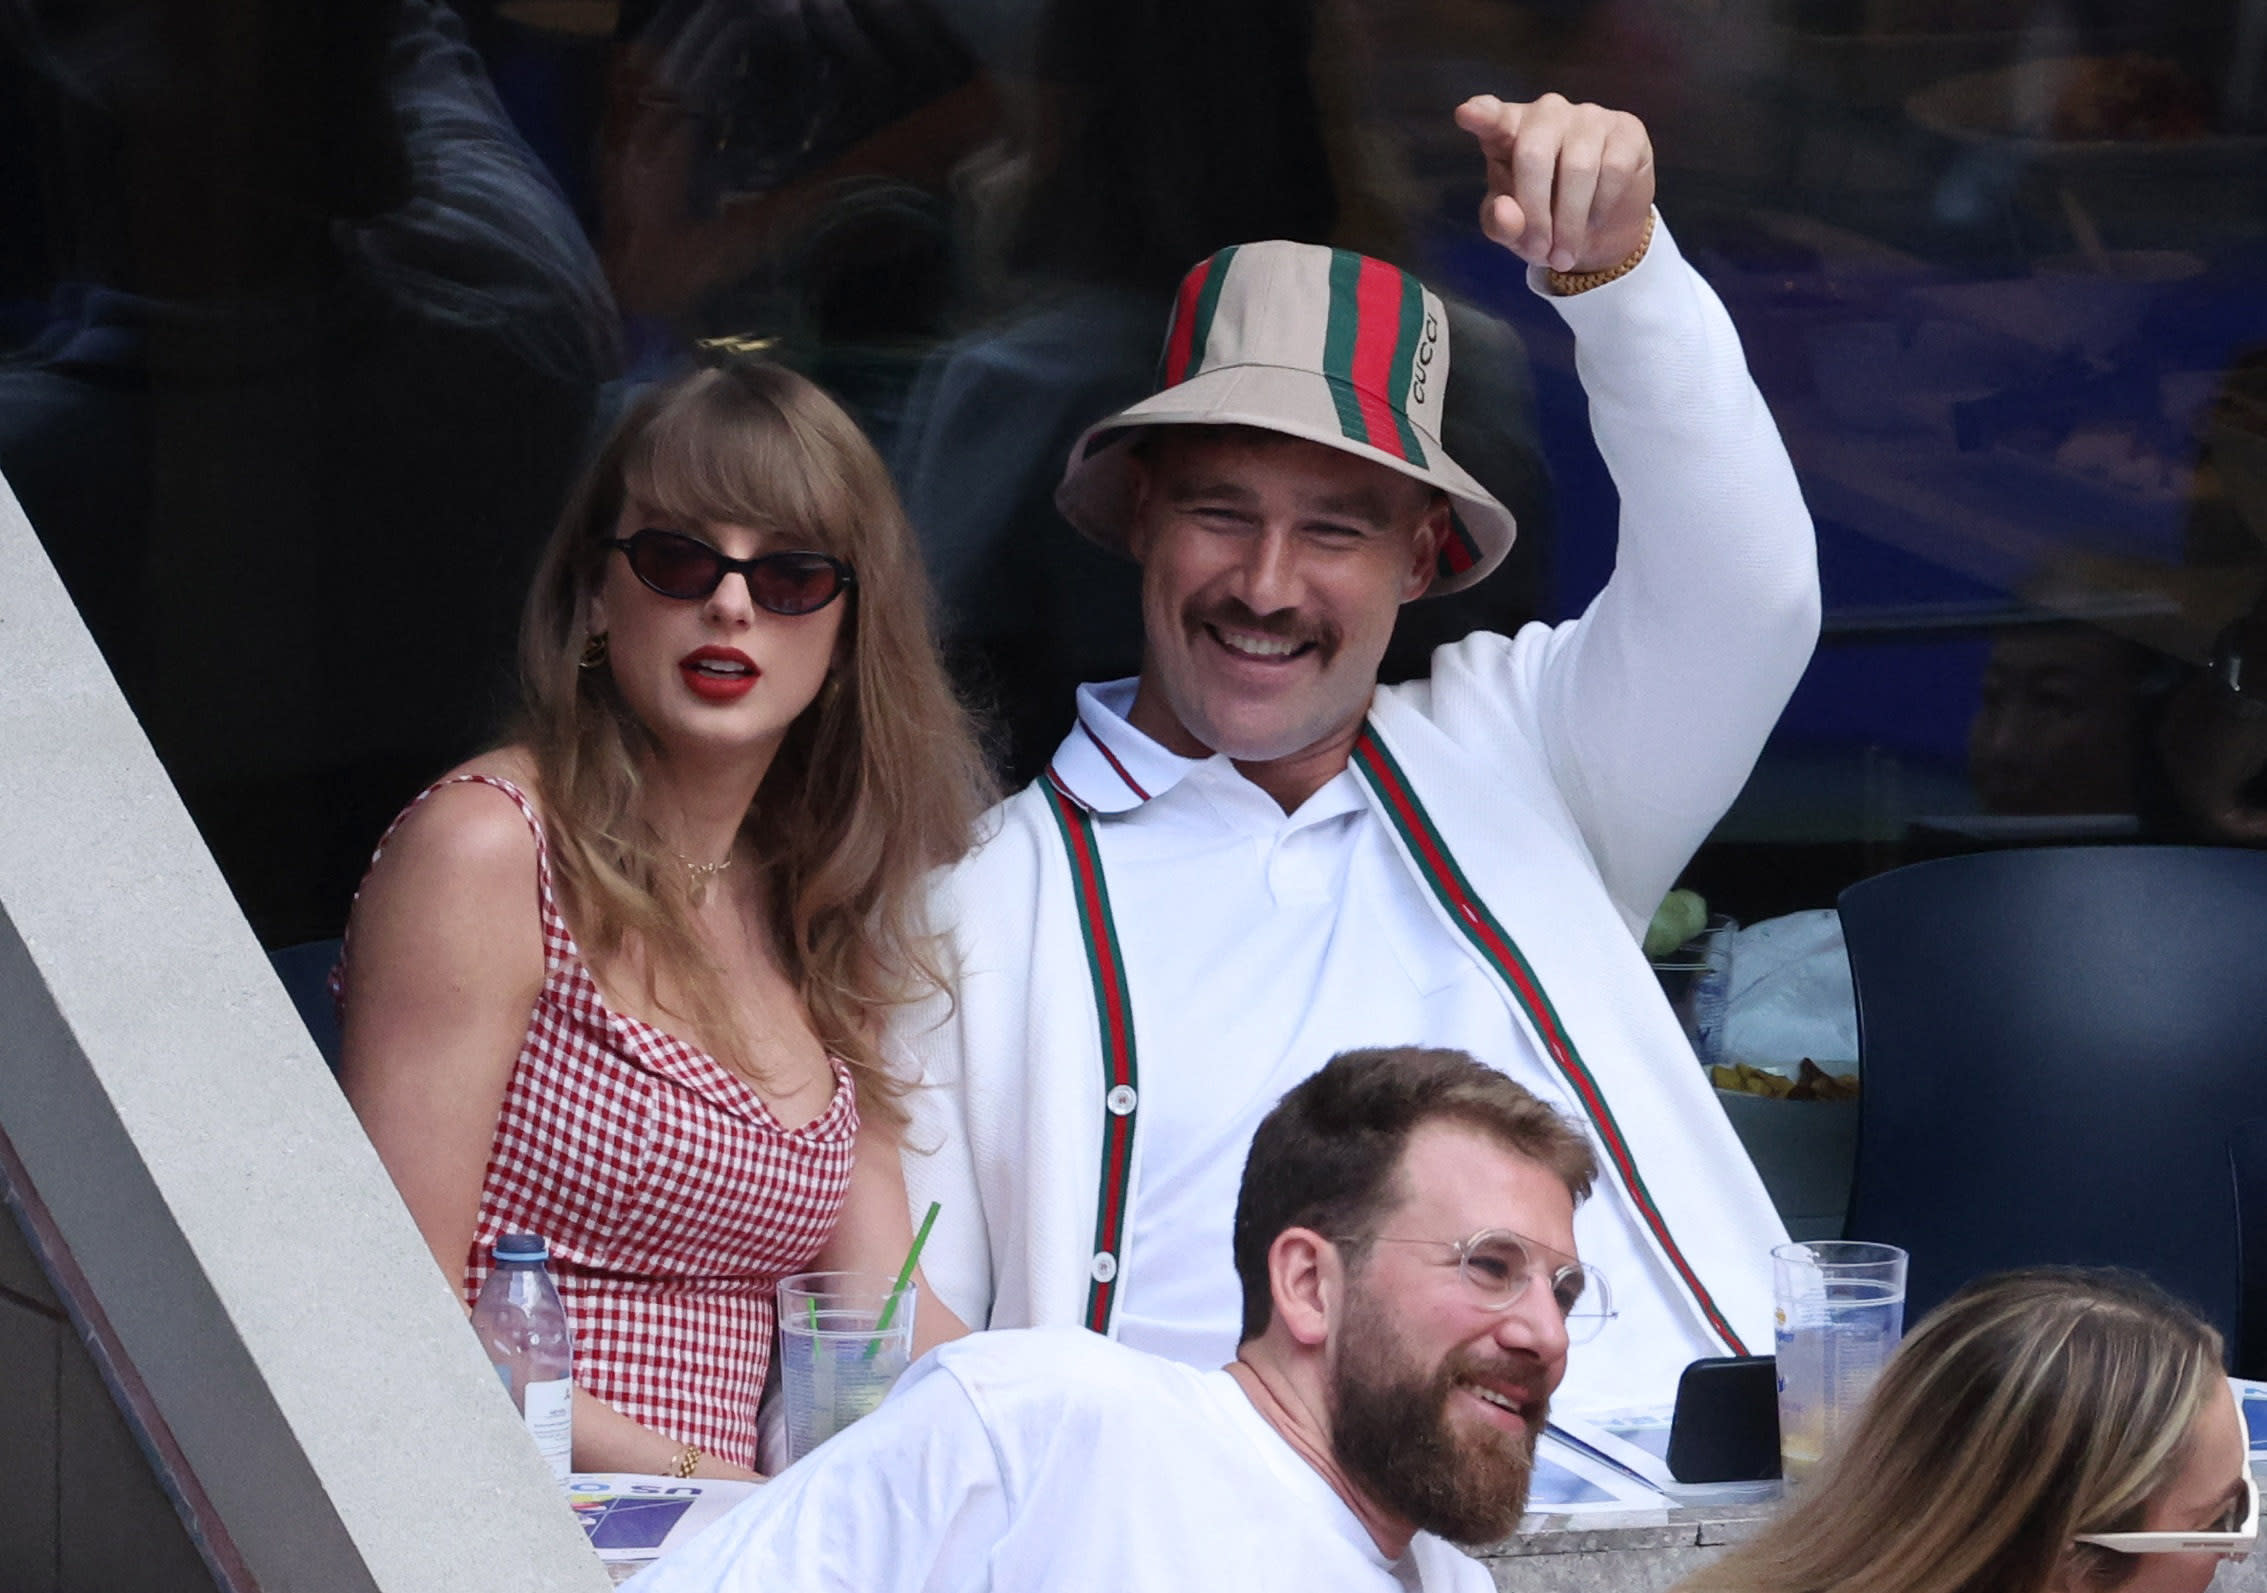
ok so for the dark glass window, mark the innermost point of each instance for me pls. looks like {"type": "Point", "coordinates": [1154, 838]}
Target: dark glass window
{"type": "Point", "coordinates": [309, 311]}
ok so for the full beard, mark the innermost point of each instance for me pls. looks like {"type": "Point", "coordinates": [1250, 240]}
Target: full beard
{"type": "Point", "coordinates": [1391, 1431]}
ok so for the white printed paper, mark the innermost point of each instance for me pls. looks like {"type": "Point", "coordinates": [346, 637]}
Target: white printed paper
{"type": "Point", "coordinates": [632, 1519]}
{"type": "Point", "coordinates": [1569, 1482]}
{"type": "Point", "coordinates": [1637, 1444]}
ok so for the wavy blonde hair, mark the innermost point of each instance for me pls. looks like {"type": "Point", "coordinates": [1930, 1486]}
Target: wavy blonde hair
{"type": "Point", "coordinates": [879, 781]}
{"type": "Point", "coordinates": [2030, 1407]}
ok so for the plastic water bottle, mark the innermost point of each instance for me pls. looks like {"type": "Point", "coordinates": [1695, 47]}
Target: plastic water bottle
{"type": "Point", "coordinates": [523, 1327]}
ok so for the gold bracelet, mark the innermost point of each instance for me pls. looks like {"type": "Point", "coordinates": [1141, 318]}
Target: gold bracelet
{"type": "Point", "coordinates": [687, 1458]}
{"type": "Point", "coordinates": [1565, 284]}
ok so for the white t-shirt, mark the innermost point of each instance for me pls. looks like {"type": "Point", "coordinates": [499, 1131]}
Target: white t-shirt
{"type": "Point", "coordinates": [1052, 1458]}
{"type": "Point", "coordinates": [1258, 945]}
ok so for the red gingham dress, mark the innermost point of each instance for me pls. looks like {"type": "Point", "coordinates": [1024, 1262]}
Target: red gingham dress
{"type": "Point", "coordinates": [673, 1200]}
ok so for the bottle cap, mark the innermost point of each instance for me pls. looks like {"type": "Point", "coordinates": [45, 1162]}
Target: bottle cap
{"type": "Point", "coordinates": [522, 1247]}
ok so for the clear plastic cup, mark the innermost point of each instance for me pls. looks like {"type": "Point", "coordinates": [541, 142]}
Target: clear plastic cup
{"type": "Point", "coordinates": [1697, 979]}
{"type": "Point", "coordinates": [836, 1358]}
{"type": "Point", "coordinates": [1840, 1309]}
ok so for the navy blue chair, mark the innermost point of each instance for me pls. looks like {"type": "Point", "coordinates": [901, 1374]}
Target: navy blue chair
{"type": "Point", "coordinates": [2059, 1046]}
{"type": "Point", "coordinates": [305, 970]}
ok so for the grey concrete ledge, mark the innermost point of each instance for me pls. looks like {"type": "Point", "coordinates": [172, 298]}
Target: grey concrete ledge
{"type": "Point", "coordinates": [213, 1191]}
{"type": "Point", "coordinates": [1685, 1529]}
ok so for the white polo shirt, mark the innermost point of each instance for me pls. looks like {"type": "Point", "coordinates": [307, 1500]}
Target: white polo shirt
{"type": "Point", "coordinates": [1051, 1460]}
{"type": "Point", "coordinates": [1257, 945]}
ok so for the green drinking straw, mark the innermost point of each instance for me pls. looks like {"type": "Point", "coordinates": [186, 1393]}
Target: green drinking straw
{"type": "Point", "coordinates": [904, 1277]}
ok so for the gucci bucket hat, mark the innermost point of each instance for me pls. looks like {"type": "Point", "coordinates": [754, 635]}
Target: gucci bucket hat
{"type": "Point", "coordinates": [1312, 342]}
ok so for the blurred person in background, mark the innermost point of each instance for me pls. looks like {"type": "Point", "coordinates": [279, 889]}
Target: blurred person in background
{"type": "Point", "coordinates": [2063, 722]}
{"type": "Point", "coordinates": [774, 177]}
{"type": "Point", "coordinates": [2045, 1431]}
{"type": "Point", "coordinates": [319, 323]}
{"type": "Point", "coordinates": [2213, 738]}
{"type": "Point", "coordinates": [619, 981]}
{"type": "Point", "coordinates": [2214, 733]}
{"type": "Point", "coordinates": [2160, 714]}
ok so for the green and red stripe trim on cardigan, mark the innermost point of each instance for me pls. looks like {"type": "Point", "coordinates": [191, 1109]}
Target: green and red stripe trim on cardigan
{"type": "Point", "coordinates": [1471, 915]}
{"type": "Point", "coordinates": [1113, 1007]}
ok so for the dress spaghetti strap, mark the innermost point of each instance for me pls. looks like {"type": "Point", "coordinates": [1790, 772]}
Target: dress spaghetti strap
{"type": "Point", "coordinates": [559, 948]}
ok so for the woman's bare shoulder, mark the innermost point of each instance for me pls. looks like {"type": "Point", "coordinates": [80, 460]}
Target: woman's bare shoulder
{"type": "Point", "coordinates": [466, 831]}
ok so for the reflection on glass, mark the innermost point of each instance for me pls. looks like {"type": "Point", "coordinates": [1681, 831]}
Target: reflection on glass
{"type": "Point", "coordinates": [303, 304]}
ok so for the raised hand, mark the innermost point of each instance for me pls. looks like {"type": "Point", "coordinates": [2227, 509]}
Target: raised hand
{"type": "Point", "coordinates": [1569, 186]}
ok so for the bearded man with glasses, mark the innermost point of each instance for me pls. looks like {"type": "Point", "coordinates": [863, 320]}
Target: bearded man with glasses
{"type": "Point", "coordinates": [1405, 1239]}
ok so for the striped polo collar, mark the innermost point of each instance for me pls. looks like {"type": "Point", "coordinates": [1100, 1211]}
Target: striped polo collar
{"type": "Point", "coordinates": [1105, 765]}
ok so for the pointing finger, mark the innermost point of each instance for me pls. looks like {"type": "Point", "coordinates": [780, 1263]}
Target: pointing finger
{"type": "Point", "coordinates": [1571, 204]}
{"type": "Point", "coordinates": [1534, 171]}
{"type": "Point", "coordinates": [1495, 123]}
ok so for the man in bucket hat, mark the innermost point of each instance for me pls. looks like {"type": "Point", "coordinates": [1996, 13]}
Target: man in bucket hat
{"type": "Point", "coordinates": [1253, 856]}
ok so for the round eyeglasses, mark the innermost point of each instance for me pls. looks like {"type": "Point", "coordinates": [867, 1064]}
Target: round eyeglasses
{"type": "Point", "coordinates": [1498, 1264]}
{"type": "Point", "coordinates": [798, 581]}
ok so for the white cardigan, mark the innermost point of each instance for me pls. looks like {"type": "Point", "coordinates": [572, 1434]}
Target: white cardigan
{"type": "Point", "coordinates": [1571, 771]}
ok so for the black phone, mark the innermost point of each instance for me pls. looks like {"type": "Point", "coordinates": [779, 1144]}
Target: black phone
{"type": "Point", "coordinates": [1726, 1427]}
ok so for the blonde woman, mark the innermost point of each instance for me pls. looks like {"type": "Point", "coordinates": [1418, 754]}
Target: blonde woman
{"type": "Point", "coordinates": [2048, 1431]}
{"type": "Point", "coordinates": [617, 981]}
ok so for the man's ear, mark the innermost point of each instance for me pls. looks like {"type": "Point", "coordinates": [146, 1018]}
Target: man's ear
{"type": "Point", "coordinates": [1424, 548]}
{"type": "Point", "coordinates": [1306, 1277]}
{"type": "Point", "coordinates": [1144, 476]}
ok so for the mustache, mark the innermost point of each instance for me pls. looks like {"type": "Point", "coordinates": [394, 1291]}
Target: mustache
{"type": "Point", "coordinates": [1521, 1379]}
{"type": "Point", "coordinates": [1285, 625]}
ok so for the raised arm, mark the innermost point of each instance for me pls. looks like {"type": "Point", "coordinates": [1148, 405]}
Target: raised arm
{"type": "Point", "coordinates": [1653, 705]}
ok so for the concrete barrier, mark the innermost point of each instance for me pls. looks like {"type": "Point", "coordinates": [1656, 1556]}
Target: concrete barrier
{"type": "Point", "coordinates": [294, 1366]}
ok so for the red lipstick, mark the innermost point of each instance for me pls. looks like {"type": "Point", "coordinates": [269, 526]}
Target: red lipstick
{"type": "Point", "coordinates": [719, 674]}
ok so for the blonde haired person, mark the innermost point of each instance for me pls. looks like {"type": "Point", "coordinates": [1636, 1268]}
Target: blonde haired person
{"type": "Point", "coordinates": [2030, 1413]}
{"type": "Point", "coordinates": [618, 981]}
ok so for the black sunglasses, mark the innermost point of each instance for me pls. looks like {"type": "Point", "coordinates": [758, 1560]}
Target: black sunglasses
{"type": "Point", "coordinates": [800, 581]}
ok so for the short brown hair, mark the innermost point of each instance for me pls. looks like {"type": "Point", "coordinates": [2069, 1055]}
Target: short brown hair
{"type": "Point", "coordinates": [1327, 1156]}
